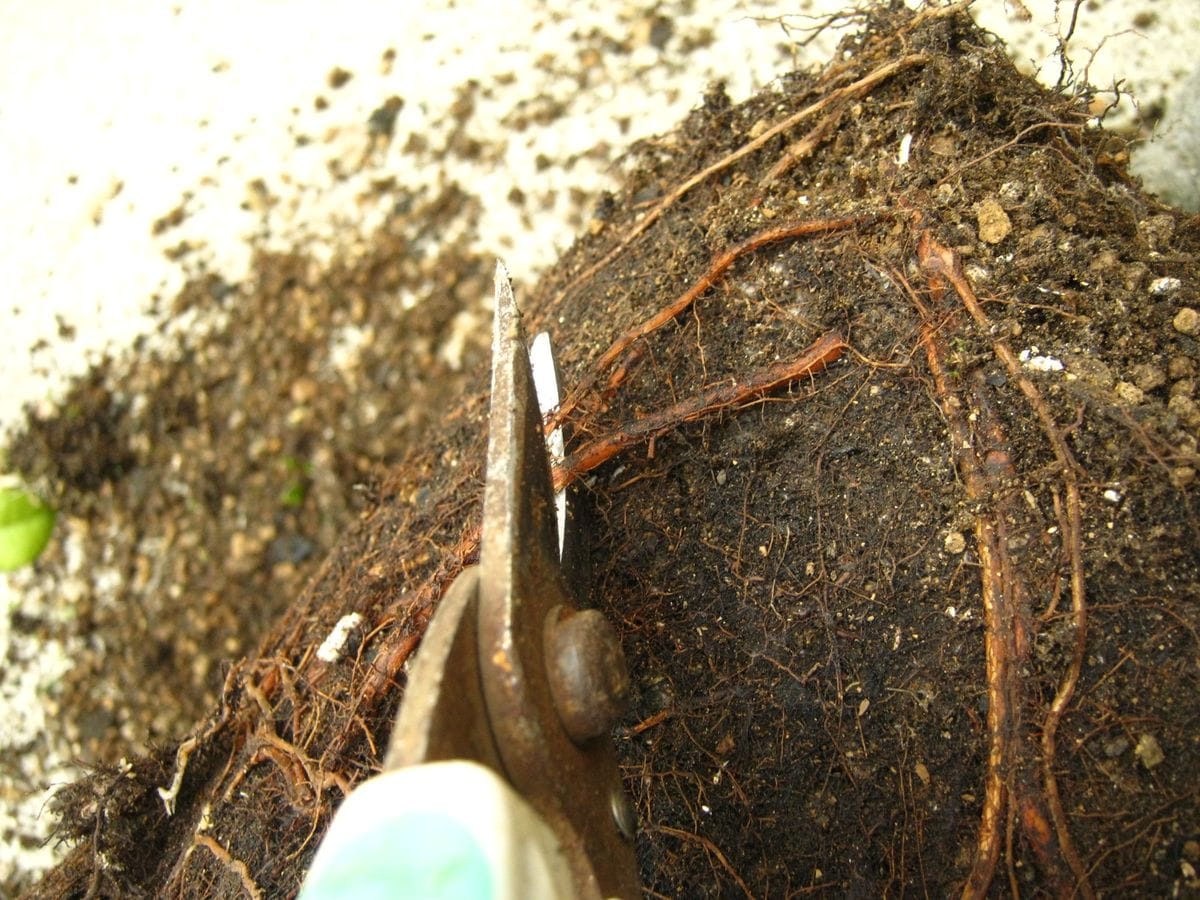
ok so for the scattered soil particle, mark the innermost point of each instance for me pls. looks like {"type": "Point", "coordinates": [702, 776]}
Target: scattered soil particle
{"type": "Point", "coordinates": [338, 77]}
{"type": "Point", "coordinates": [382, 122]}
{"type": "Point", "coordinates": [173, 219]}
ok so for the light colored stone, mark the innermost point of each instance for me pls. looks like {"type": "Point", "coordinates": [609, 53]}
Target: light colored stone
{"type": "Point", "coordinates": [955, 542]}
{"type": "Point", "coordinates": [1185, 408]}
{"type": "Point", "coordinates": [1030, 359]}
{"type": "Point", "coordinates": [1181, 366]}
{"type": "Point", "coordinates": [1187, 321]}
{"type": "Point", "coordinates": [1149, 751]}
{"type": "Point", "coordinates": [993, 221]}
{"type": "Point", "coordinates": [304, 390]}
{"type": "Point", "coordinates": [1130, 393]}
{"type": "Point", "coordinates": [1158, 230]}
{"type": "Point", "coordinates": [1115, 747]}
{"type": "Point", "coordinates": [1148, 377]}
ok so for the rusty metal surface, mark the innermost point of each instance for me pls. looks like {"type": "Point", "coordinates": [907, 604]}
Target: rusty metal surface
{"type": "Point", "coordinates": [586, 671]}
{"type": "Point", "coordinates": [444, 715]}
{"type": "Point", "coordinates": [510, 673]}
{"type": "Point", "coordinates": [571, 785]}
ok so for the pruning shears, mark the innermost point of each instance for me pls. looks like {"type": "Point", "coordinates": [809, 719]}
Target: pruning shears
{"type": "Point", "coordinates": [500, 780]}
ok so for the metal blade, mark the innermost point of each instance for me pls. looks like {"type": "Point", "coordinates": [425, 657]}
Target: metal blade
{"type": "Point", "coordinates": [522, 594]}
{"type": "Point", "coordinates": [545, 383]}
{"type": "Point", "coordinates": [444, 715]}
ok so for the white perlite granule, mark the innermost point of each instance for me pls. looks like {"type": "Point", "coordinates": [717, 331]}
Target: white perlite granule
{"type": "Point", "coordinates": [331, 648]}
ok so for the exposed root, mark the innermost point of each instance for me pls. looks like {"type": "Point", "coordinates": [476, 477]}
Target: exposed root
{"type": "Point", "coordinates": [711, 848]}
{"type": "Point", "coordinates": [234, 865]}
{"type": "Point", "coordinates": [996, 645]}
{"type": "Point", "coordinates": [401, 641]}
{"type": "Point", "coordinates": [825, 350]}
{"type": "Point", "coordinates": [170, 794]}
{"type": "Point", "coordinates": [857, 89]}
{"type": "Point", "coordinates": [940, 261]}
{"type": "Point", "coordinates": [650, 722]}
{"type": "Point", "coordinates": [807, 145]}
{"type": "Point", "coordinates": [1077, 126]}
{"type": "Point", "coordinates": [718, 268]}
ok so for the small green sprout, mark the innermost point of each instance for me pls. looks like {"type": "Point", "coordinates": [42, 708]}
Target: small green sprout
{"type": "Point", "coordinates": [25, 526]}
{"type": "Point", "coordinates": [299, 477]}
{"type": "Point", "coordinates": [293, 494]}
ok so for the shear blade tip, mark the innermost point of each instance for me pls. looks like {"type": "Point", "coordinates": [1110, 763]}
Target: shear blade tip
{"type": "Point", "coordinates": [505, 331]}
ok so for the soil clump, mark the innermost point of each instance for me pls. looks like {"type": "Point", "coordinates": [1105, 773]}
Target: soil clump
{"type": "Point", "coordinates": [882, 394]}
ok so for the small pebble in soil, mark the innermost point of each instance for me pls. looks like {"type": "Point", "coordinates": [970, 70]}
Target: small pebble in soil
{"type": "Point", "coordinates": [1116, 747]}
{"type": "Point", "coordinates": [1180, 367]}
{"type": "Point", "coordinates": [994, 224]}
{"type": "Point", "coordinates": [1148, 377]}
{"type": "Point", "coordinates": [1030, 359]}
{"type": "Point", "coordinates": [955, 542]}
{"type": "Point", "coordinates": [1187, 321]}
{"type": "Point", "coordinates": [1130, 393]}
{"type": "Point", "coordinates": [1165, 285]}
{"type": "Point", "coordinates": [339, 637]}
{"type": "Point", "coordinates": [1149, 751]}
{"type": "Point", "coordinates": [1186, 408]}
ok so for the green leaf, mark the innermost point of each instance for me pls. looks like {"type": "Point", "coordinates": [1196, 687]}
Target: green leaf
{"type": "Point", "coordinates": [25, 526]}
{"type": "Point", "coordinates": [293, 494]}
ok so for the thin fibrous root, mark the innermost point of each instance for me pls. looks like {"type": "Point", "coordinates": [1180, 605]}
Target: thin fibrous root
{"type": "Point", "coordinates": [400, 642]}
{"type": "Point", "coordinates": [855, 90]}
{"type": "Point", "coordinates": [234, 865]}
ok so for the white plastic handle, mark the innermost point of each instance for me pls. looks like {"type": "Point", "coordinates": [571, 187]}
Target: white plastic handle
{"type": "Point", "coordinates": [442, 831]}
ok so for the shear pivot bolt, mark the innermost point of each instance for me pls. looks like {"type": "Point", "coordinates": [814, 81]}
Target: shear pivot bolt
{"type": "Point", "coordinates": [586, 671]}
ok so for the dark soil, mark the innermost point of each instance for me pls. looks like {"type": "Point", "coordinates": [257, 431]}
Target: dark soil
{"type": "Point", "coordinates": [800, 580]}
